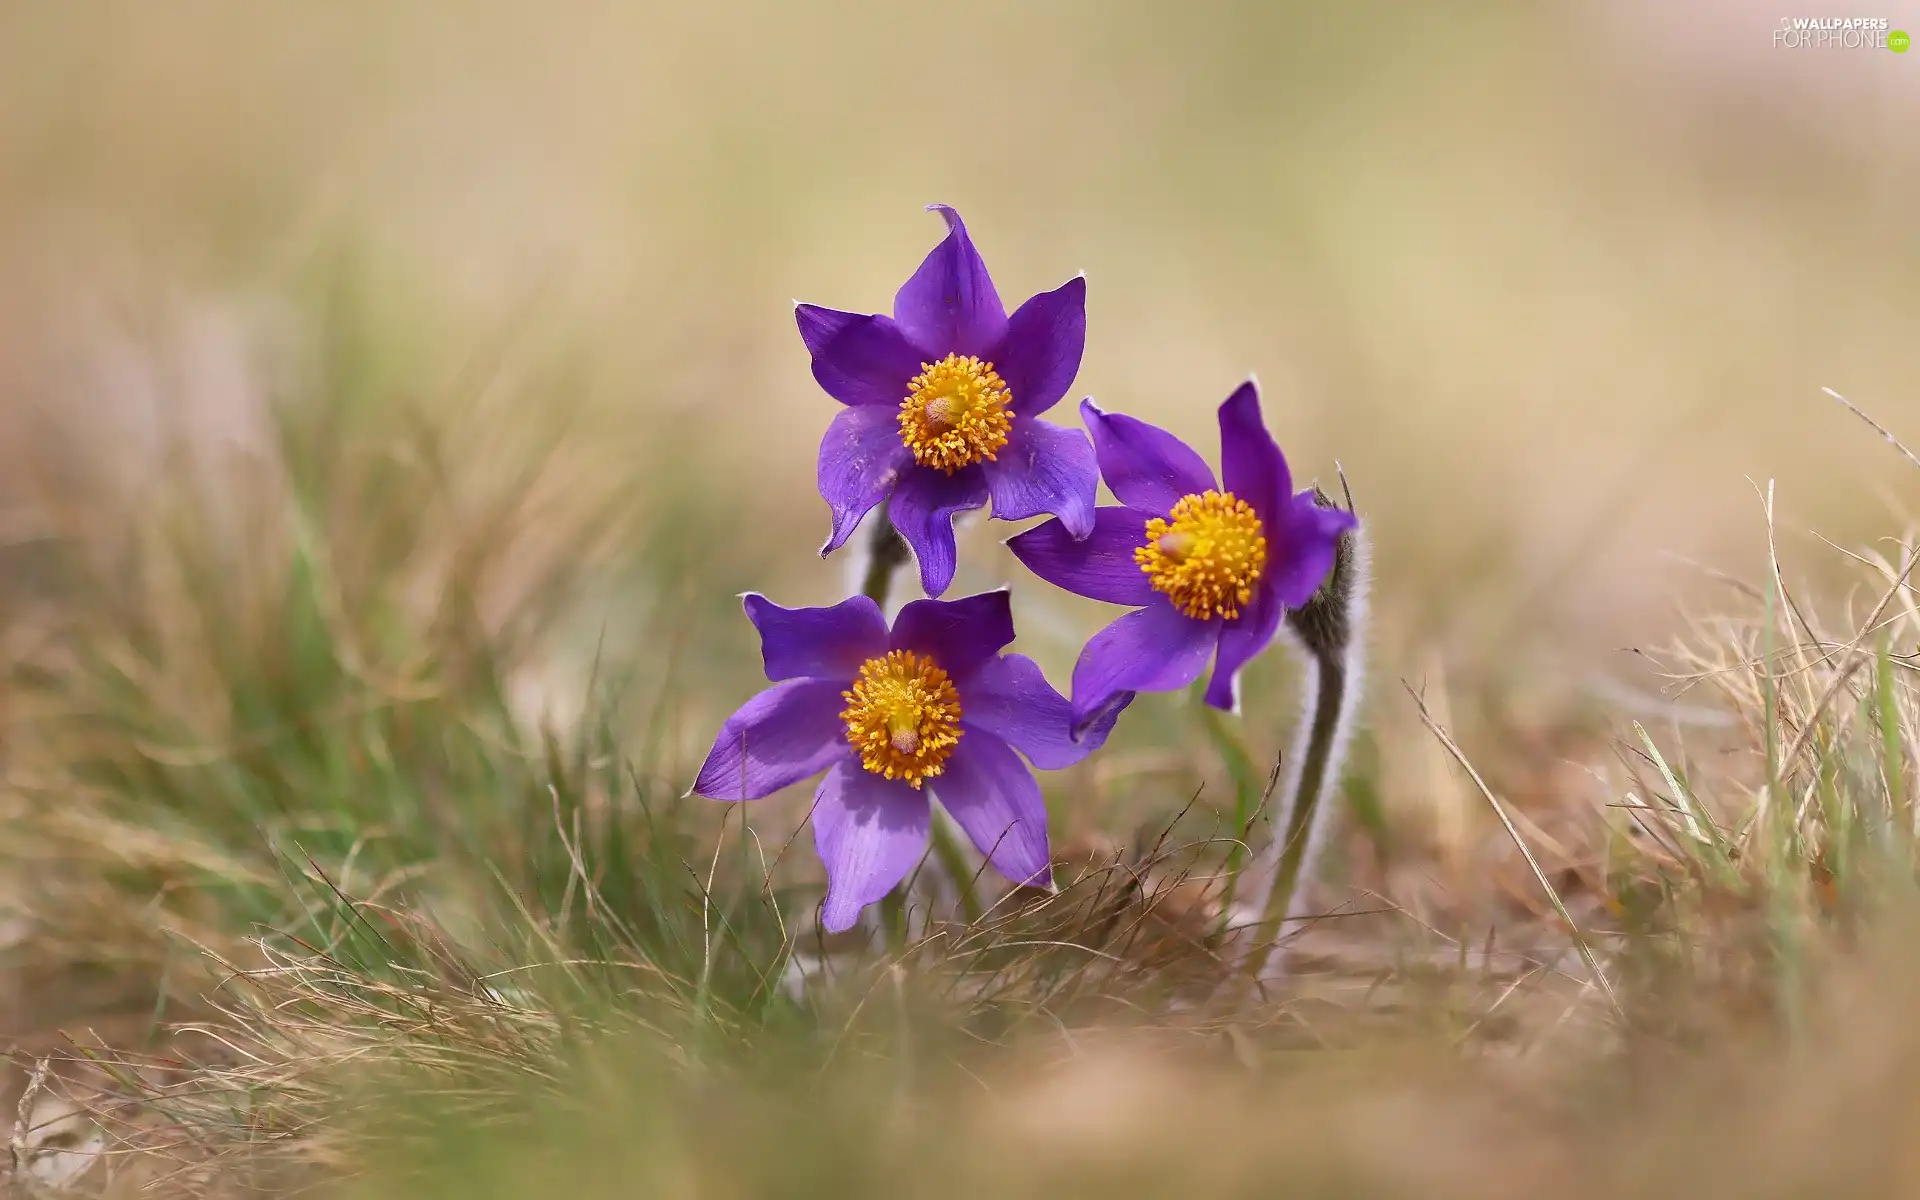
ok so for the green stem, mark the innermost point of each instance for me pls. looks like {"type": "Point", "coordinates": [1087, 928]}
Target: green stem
{"type": "Point", "coordinates": [1249, 789]}
{"type": "Point", "coordinates": [893, 918]}
{"type": "Point", "coordinates": [947, 849]}
{"type": "Point", "coordinates": [1296, 838]}
{"type": "Point", "coordinates": [886, 553]}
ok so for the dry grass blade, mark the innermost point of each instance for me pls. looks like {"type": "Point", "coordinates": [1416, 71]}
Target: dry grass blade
{"type": "Point", "coordinates": [22, 1120]}
{"type": "Point", "coordinates": [1701, 826]}
{"type": "Point", "coordinates": [1844, 671]}
{"type": "Point", "coordinates": [1580, 943]}
{"type": "Point", "coordinates": [1878, 428]}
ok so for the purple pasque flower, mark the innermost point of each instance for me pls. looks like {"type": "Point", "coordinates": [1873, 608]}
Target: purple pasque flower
{"type": "Point", "coordinates": [1210, 571]}
{"type": "Point", "coordinates": [931, 704]}
{"type": "Point", "coordinates": [943, 402]}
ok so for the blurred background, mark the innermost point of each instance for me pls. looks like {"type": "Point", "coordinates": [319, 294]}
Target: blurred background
{"type": "Point", "coordinates": [1558, 286]}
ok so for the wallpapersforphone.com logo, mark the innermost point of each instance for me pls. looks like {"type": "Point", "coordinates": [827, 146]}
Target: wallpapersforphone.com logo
{"type": "Point", "coordinates": [1840, 33]}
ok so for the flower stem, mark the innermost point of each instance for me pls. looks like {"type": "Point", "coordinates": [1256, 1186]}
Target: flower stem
{"type": "Point", "coordinates": [1292, 843]}
{"type": "Point", "coordinates": [1329, 632]}
{"type": "Point", "coordinates": [886, 553]}
{"type": "Point", "coordinates": [953, 859]}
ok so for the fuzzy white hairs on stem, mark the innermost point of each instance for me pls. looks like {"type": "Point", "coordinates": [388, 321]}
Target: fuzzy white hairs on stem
{"type": "Point", "coordinates": [1329, 633]}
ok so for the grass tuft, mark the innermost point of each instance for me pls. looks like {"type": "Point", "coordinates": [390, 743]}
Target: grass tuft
{"type": "Point", "coordinates": [347, 832]}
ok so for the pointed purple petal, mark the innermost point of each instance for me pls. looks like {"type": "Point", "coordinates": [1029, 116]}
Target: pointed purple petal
{"type": "Point", "coordinates": [869, 832]}
{"type": "Point", "coordinates": [781, 736]}
{"type": "Point", "coordinates": [1251, 465]}
{"type": "Point", "coordinates": [950, 305]}
{"type": "Point", "coordinates": [1146, 466]}
{"type": "Point", "coordinates": [858, 359]}
{"type": "Point", "coordinates": [1044, 468]}
{"type": "Point", "coordinates": [861, 460]}
{"type": "Point", "coordinates": [820, 643]}
{"type": "Point", "coordinates": [819, 326]}
{"type": "Point", "coordinates": [959, 635]}
{"type": "Point", "coordinates": [992, 795]}
{"type": "Point", "coordinates": [1099, 566]}
{"type": "Point", "coordinates": [1241, 639]}
{"type": "Point", "coordinates": [1301, 556]}
{"type": "Point", "coordinates": [1011, 698]}
{"type": "Point", "coordinates": [1041, 353]}
{"type": "Point", "coordinates": [923, 509]}
{"type": "Point", "coordinates": [1152, 649]}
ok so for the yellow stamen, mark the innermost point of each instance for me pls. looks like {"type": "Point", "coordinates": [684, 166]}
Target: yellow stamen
{"type": "Point", "coordinates": [955, 413]}
{"type": "Point", "coordinates": [903, 716]}
{"type": "Point", "coordinates": [1208, 557]}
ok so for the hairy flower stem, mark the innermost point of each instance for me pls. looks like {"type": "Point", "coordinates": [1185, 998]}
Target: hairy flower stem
{"type": "Point", "coordinates": [886, 553]}
{"type": "Point", "coordinates": [1278, 872]}
{"type": "Point", "coordinates": [1328, 631]}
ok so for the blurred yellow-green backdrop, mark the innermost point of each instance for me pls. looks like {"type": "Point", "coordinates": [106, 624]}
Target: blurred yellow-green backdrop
{"type": "Point", "coordinates": [1558, 285]}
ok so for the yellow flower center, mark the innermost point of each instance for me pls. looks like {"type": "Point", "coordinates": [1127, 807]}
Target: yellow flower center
{"type": "Point", "coordinates": [955, 413]}
{"type": "Point", "coordinates": [903, 716]}
{"type": "Point", "coordinates": [1208, 557]}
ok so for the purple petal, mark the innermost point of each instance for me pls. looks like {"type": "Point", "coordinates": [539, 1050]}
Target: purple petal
{"type": "Point", "coordinates": [819, 326]}
{"type": "Point", "coordinates": [1146, 466]}
{"type": "Point", "coordinates": [1044, 468]}
{"type": "Point", "coordinates": [858, 359]}
{"type": "Point", "coordinates": [1100, 565]}
{"type": "Point", "coordinates": [861, 460]}
{"type": "Point", "coordinates": [923, 509]}
{"type": "Point", "coordinates": [949, 306]}
{"type": "Point", "coordinates": [1251, 465]}
{"type": "Point", "coordinates": [1152, 649]}
{"type": "Point", "coordinates": [1010, 698]}
{"type": "Point", "coordinates": [992, 795]}
{"type": "Point", "coordinates": [785, 734]}
{"type": "Point", "coordinates": [1301, 556]}
{"type": "Point", "coordinates": [959, 635]}
{"type": "Point", "coordinates": [1240, 640]}
{"type": "Point", "coordinates": [1041, 352]}
{"type": "Point", "coordinates": [869, 832]}
{"type": "Point", "coordinates": [821, 643]}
